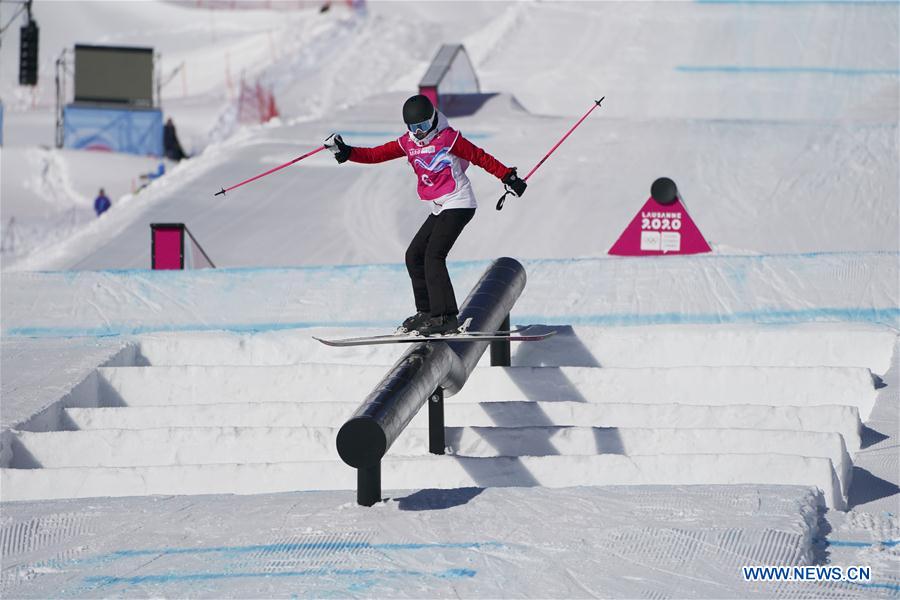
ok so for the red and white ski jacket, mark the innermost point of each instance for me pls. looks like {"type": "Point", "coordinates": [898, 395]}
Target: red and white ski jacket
{"type": "Point", "coordinates": [439, 162]}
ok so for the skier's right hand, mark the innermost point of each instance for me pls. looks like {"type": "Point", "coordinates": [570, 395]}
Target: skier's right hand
{"type": "Point", "coordinates": [336, 144]}
{"type": "Point", "coordinates": [514, 183]}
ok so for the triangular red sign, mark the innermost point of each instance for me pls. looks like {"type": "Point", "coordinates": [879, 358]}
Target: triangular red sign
{"type": "Point", "coordinates": [660, 229]}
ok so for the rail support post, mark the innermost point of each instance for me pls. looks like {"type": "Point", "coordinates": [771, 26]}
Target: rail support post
{"type": "Point", "coordinates": [500, 351]}
{"type": "Point", "coordinates": [368, 485]}
{"type": "Point", "coordinates": [436, 422]}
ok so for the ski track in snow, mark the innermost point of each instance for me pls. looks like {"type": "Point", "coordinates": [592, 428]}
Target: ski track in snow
{"type": "Point", "coordinates": [357, 556]}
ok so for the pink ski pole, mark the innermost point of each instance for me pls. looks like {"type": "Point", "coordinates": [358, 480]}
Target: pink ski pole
{"type": "Point", "coordinates": [269, 172]}
{"type": "Point", "coordinates": [552, 150]}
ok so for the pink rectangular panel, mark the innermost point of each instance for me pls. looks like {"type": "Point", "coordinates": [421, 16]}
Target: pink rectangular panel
{"type": "Point", "coordinates": [168, 251]}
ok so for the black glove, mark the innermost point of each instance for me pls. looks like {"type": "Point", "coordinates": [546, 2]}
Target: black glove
{"type": "Point", "coordinates": [512, 181]}
{"type": "Point", "coordinates": [336, 144]}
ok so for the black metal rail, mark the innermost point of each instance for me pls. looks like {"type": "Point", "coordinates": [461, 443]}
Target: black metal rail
{"type": "Point", "coordinates": [426, 372]}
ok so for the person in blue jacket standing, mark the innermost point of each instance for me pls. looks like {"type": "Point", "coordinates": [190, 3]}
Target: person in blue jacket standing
{"type": "Point", "coordinates": [101, 203]}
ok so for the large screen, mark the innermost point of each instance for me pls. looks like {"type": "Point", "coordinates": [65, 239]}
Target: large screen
{"type": "Point", "coordinates": [114, 75]}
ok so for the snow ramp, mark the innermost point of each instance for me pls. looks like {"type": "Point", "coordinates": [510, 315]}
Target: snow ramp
{"type": "Point", "coordinates": [777, 402]}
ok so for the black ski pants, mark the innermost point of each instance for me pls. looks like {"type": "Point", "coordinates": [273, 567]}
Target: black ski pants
{"type": "Point", "coordinates": [426, 260]}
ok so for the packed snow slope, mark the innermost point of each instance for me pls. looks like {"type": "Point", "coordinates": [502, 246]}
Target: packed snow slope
{"type": "Point", "coordinates": [757, 365]}
{"type": "Point", "coordinates": [779, 117]}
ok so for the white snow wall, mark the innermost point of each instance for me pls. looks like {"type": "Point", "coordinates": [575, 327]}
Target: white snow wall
{"type": "Point", "coordinates": [244, 425]}
{"type": "Point", "coordinates": [858, 287]}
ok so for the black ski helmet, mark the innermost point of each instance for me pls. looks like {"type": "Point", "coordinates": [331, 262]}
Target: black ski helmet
{"type": "Point", "coordinates": [419, 109]}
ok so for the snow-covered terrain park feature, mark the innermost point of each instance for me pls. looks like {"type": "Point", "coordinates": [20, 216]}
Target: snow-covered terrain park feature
{"type": "Point", "coordinates": [173, 433]}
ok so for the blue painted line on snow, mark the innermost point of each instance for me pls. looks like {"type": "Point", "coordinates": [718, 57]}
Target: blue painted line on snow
{"type": "Point", "coordinates": [849, 544]}
{"type": "Point", "coordinates": [889, 316]}
{"type": "Point", "coordinates": [699, 257]}
{"type": "Point", "coordinates": [883, 586]}
{"type": "Point", "coordinates": [454, 265]}
{"type": "Point", "coordinates": [105, 580]}
{"type": "Point", "coordinates": [844, 72]}
{"type": "Point", "coordinates": [332, 546]}
{"type": "Point", "coordinates": [438, 545]}
{"type": "Point", "coordinates": [222, 271]}
{"type": "Point", "coordinates": [883, 316]}
{"type": "Point", "coordinates": [124, 330]}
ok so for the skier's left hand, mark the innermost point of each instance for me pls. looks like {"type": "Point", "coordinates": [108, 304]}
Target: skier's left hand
{"type": "Point", "coordinates": [512, 181]}
{"type": "Point", "coordinates": [336, 144]}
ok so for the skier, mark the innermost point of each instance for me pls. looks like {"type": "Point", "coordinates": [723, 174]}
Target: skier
{"type": "Point", "coordinates": [439, 155]}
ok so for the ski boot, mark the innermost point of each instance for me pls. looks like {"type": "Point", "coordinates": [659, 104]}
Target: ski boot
{"type": "Point", "coordinates": [439, 325]}
{"type": "Point", "coordinates": [411, 324]}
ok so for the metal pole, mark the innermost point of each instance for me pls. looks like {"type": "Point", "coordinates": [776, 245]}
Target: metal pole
{"type": "Point", "coordinates": [270, 171]}
{"type": "Point", "coordinates": [552, 150]}
{"type": "Point", "coordinates": [57, 140]}
{"type": "Point", "coordinates": [368, 485]}
{"type": "Point", "coordinates": [157, 73]}
{"type": "Point", "coordinates": [199, 247]}
{"type": "Point", "coordinates": [60, 96]}
{"type": "Point", "coordinates": [500, 351]}
{"type": "Point", "coordinates": [436, 422]}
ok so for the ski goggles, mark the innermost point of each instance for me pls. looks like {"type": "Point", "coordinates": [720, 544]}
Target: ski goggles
{"type": "Point", "coordinates": [422, 126]}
